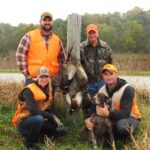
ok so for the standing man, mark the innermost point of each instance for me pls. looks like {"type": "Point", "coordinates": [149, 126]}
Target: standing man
{"type": "Point", "coordinates": [124, 112]}
{"type": "Point", "coordinates": [40, 47]}
{"type": "Point", "coordinates": [95, 53]}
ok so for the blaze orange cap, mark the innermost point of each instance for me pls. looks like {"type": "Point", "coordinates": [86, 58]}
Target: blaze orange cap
{"type": "Point", "coordinates": [91, 27]}
{"type": "Point", "coordinates": [109, 67]}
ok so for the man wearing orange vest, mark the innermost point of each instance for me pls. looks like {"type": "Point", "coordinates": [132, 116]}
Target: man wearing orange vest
{"type": "Point", "coordinates": [124, 112]}
{"type": "Point", "coordinates": [40, 47]}
{"type": "Point", "coordinates": [34, 117]}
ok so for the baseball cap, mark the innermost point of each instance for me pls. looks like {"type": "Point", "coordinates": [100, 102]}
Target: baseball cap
{"type": "Point", "coordinates": [43, 71]}
{"type": "Point", "coordinates": [91, 27]}
{"type": "Point", "coordinates": [46, 14]}
{"type": "Point", "coordinates": [109, 67]}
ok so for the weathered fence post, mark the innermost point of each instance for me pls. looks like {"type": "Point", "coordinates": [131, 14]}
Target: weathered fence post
{"type": "Point", "coordinates": [73, 48]}
{"type": "Point", "coordinates": [74, 35]}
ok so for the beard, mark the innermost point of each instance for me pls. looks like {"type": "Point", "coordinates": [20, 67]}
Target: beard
{"type": "Point", "coordinates": [46, 27]}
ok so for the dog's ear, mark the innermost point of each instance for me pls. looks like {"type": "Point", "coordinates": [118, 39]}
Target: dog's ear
{"type": "Point", "coordinates": [101, 98]}
{"type": "Point", "coordinates": [94, 99]}
{"type": "Point", "coordinates": [101, 94]}
{"type": "Point", "coordinates": [107, 100]}
{"type": "Point", "coordinates": [98, 99]}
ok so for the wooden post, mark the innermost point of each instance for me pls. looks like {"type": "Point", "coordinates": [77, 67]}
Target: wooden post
{"type": "Point", "coordinates": [74, 36]}
{"type": "Point", "coordinates": [73, 48]}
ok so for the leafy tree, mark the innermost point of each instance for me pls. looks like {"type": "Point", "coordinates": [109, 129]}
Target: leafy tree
{"type": "Point", "coordinates": [60, 28]}
{"type": "Point", "coordinates": [133, 36]}
{"type": "Point", "coordinates": [127, 32]}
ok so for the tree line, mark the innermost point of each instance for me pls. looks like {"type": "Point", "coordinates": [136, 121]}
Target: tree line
{"type": "Point", "coordinates": [127, 32]}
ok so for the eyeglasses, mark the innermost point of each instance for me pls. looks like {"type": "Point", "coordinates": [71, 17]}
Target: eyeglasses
{"type": "Point", "coordinates": [43, 76]}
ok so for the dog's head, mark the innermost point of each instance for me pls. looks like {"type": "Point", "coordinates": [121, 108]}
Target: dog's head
{"type": "Point", "coordinates": [100, 99]}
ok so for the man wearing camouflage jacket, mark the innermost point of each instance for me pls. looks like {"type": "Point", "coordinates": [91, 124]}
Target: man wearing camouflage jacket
{"type": "Point", "coordinates": [95, 53]}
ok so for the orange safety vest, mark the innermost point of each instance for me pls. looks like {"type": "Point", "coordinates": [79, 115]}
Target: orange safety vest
{"type": "Point", "coordinates": [40, 97]}
{"type": "Point", "coordinates": [39, 55]}
{"type": "Point", "coordinates": [116, 98]}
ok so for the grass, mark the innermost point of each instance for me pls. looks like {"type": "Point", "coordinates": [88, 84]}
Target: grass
{"type": "Point", "coordinates": [128, 64]}
{"type": "Point", "coordinates": [9, 137]}
{"type": "Point", "coordinates": [11, 140]}
{"type": "Point", "coordinates": [121, 72]}
{"type": "Point", "coordinates": [132, 62]}
{"type": "Point", "coordinates": [135, 73]}
{"type": "Point", "coordinates": [9, 71]}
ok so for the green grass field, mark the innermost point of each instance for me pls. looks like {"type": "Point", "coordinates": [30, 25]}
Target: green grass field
{"type": "Point", "coordinates": [11, 140]}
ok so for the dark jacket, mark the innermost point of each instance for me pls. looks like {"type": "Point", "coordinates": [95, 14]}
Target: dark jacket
{"type": "Point", "coordinates": [94, 58]}
{"type": "Point", "coordinates": [27, 95]}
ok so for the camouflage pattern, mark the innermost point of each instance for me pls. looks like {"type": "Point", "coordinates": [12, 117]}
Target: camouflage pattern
{"type": "Point", "coordinates": [94, 58]}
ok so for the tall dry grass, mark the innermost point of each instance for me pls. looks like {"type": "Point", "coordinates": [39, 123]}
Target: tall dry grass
{"type": "Point", "coordinates": [128, 62]}
{"type": "Point", "coordinates": [50, 143]}
{"type": "Point", "coordinates": [9, 91]}
{"type": "Point", "coordinates": [8, 63]}
{"type": "Point", "coordinates": [132, 62]}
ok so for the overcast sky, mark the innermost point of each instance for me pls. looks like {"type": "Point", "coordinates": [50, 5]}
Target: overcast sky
{"type": "Point", "coordinates": [29, 11]}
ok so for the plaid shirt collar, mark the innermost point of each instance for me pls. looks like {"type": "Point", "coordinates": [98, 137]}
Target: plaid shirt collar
{"type": "Point", "coordinates": [43, 35]}
{"type": "Point", "coordinates": [46, 37]}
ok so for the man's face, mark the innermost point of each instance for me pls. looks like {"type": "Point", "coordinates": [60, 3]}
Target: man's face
{"type": "Point", "coordinates": [46, 24]}
{"type": "Point", "coordinates": [92, 36]}
{"type": "Point", "coordinates": [110, 77]}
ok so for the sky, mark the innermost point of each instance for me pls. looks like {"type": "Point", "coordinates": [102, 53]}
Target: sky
{"type": "Point", "coordinates": [29, 11]}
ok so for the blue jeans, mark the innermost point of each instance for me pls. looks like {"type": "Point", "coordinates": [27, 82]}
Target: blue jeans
{"type": "Point", "coordinates": [30, 129]}
{"type": "Point", "coordinates": [34, 128]}
{"type": "Point", "coordinates": [123, 127]}
{"type": "Point", "coordinates": [93, 88]}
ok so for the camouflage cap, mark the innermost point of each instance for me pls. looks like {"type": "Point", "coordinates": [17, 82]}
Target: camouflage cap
{"type": "Point", "coordinates": [46, 14]}
{"type": "Point", "coordinates": [43, 71]}
{"type": "Point", "coordinates": [109, 67]}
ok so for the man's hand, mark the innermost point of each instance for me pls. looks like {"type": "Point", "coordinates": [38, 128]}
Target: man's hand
{"type": "Point", "coordinates": [89, 124]}
{"type": "Point", "coordinates": [58, 122]}
{"type": "Point", "coordinates": [104, 112]}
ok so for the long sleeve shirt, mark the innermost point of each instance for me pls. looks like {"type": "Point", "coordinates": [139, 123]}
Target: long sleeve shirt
{"type": "Point", "coordinates": [33, 108]}
{"type": "Point", "coordinates": [22, 51]}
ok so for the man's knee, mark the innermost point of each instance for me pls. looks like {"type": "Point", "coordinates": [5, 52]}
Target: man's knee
{"type": "Point", "coordinates": [38, 119]}
{"type": "Point", "coordinates": [122, 126]}
{"type": "Point", "coordinates": [126, 125]}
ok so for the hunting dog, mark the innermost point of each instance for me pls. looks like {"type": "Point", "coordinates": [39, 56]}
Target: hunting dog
{"type": "Point", "coordinates": [102, 125]}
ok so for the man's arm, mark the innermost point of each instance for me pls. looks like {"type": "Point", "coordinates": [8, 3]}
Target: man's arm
{"type": "Point", "coordinates": [125, 105]}
{"type": "Point", "coordinates": [21, 54]}
{"type": "Point", "coordinates": [88, 67]}
{"type": "Point", "coordinates": [83, 59]}
{"type": "Point", "coordinates": [108, 55]}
